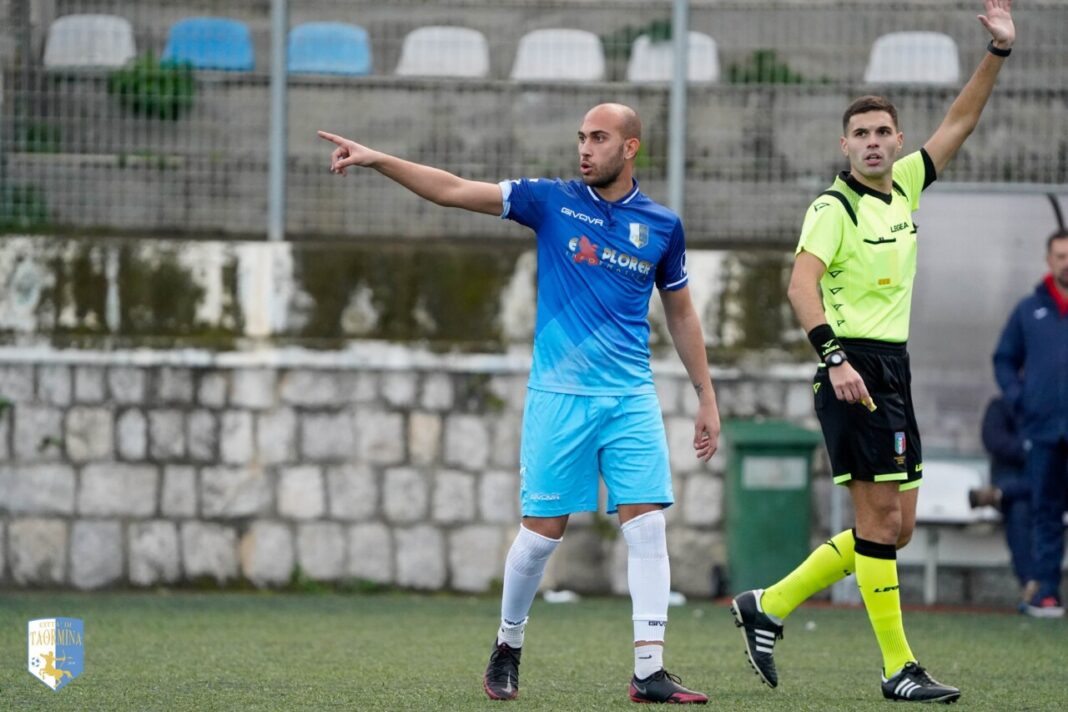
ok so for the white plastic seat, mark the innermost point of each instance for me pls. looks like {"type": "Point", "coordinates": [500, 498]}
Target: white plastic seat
{"type": "Point", "coordinates": [913, 58]}
{"type": "Point", "coordinates": [442, 51]}
{"type": "Point", "coordinates": [943, 503]}
{"type": "Point", "coordinates": [559, 54]}
{"type": "Point", "coordinates": [945, 492]}
{"type": "Point", "coordinates": [87, 41]}
{"type": "Point", "coordinates": [655, 61]}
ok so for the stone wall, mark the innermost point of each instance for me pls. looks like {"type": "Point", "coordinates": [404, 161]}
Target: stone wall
{"type": "Point", "coordinates": [376, 464]}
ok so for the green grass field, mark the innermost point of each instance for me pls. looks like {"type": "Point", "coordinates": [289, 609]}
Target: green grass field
{"type": "Point", "coordinates": [249, 651]}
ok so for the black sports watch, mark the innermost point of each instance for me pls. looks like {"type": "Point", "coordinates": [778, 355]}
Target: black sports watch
{"type": "Point", "coordinates": [835, 358]}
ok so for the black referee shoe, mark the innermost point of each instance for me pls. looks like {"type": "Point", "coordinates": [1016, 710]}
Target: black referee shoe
{"type": "Point", "coordinates": [501, 681]}
{"type": "Point", "coordinates": [913, 684]}
{"type": "Point", "coordinates": [759, 633]}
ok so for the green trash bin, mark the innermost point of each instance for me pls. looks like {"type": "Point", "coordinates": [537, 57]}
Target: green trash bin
{"type": "Point", "coordinates": [769, 502]}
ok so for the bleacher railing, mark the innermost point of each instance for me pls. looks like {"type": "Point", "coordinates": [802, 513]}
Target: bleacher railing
{"type": "Point", "coordinates": [139, 146]}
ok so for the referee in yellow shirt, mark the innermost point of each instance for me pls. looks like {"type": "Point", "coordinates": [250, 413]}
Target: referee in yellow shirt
{"type": "Point", "coordinates": [852, 290]}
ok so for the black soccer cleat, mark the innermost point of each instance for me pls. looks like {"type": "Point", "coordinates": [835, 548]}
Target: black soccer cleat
{"type": "Point", "coordinates": [661, 687]}
{"type": "Point", "coordinates": [501, 681]}
{"type": "Point", "coordinates": [913, 684]}
{"type": "Point", "coordinates": [759, 633]}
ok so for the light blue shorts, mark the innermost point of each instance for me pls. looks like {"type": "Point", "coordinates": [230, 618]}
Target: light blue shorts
{"type": "Point", "coordinates": [568, 440]}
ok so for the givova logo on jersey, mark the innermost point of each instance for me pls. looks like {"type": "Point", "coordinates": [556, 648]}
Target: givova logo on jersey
{"type": "Point", "coordinates": [56, 650]}
{"type": "Point", "coordinates": [583, 250]}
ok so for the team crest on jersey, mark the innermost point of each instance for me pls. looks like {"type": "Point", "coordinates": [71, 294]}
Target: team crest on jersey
{"type": "Point", "coordinates": [56, 650]}
{"type": "Point", "coordinates": [899, 443]}
{"type": "Point", "coordinates": [639, 235]}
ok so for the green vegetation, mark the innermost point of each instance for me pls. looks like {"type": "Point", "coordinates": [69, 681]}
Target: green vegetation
{"type": "Point", "coordinates": [154, 89]}
{"type": "Point", "coordinates": [22, 207]}
{"type": "Point", "coordinates": [763, 67]}
{"type": "Point", "coordinates": [271, 651]}
{"type": "Point", "coordinates": [41, 137]}
{"type": "Point", "coordinates": [617, 44]}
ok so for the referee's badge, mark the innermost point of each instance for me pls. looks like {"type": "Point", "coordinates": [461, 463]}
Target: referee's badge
{"type": "Point", "coordinates": [899, 443]}
{"type": "Point", "coordinates": [639, 235]}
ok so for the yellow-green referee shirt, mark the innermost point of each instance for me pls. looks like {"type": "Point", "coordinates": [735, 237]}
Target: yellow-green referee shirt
{"type": "Point", "coordinates": [868, 241]}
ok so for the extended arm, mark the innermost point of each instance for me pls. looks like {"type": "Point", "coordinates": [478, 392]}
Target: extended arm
{"type": "Point", "coordinates": [804, 295]}
{"type": "Point", "coordinates": [685, 328]}
{"type": "Point", "coordinates": [433, 184]}
{"type": "Point", "coordinates": [963, 114]}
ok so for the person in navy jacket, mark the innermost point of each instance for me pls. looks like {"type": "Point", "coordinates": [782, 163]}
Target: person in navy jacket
{"type": "Point", "coordinates": [1009, 492]}
{"type": "Point", "coordinates": [1031, 368]}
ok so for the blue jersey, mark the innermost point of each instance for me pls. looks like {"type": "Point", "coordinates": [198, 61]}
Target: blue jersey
{"type": "Point", "coordinates": [597, 263]}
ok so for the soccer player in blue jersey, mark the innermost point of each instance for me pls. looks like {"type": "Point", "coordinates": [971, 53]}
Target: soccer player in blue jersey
{"type": "Point", "coordinates": [591, 407]}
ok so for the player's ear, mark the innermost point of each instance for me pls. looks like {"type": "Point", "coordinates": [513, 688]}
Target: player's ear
{"type": "Point", "coordinates": [630, 148]}
{"type": "Point", "coordinates": [844, 146]}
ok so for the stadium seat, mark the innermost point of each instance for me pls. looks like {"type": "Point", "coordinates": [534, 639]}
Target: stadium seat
{"type": "Point", "coordinates": [913, 58]}
{"type": "Point", "coordinates": [87, 41]}
{"type": "Point", "coordinates": [329, 48]}
{"type": "Point", "coordinates": [559, 54]}
{"type": "Point", "coordinates": [440, 51]}
{"type": "Point", "coordinates": [210, 43]}
{"type": "Point", "coordinates": [655, 61]}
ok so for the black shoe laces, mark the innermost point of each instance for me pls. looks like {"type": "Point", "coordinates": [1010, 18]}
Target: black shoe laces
{"type": "Point", "coordinates": [662, 673]}
{"type": "Point", "coordinates": [922, 675]}
{"type": "Point", "coordinates": [503, 663]}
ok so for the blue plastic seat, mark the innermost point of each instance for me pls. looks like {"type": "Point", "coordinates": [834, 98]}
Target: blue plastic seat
{"type": "Point", "coordinates": [211, 43]}
{"type": "Point", "coordinates": [329, 48]}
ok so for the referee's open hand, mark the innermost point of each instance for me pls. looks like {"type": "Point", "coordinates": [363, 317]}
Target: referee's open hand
{"type": "Point", "coordinates": [847, 383]}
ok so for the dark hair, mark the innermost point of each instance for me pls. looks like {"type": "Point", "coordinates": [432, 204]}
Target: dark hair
{"type": "Point", "coordinates": [1057, 235]}
{"type": "Point", "coordinates": [868, 103]}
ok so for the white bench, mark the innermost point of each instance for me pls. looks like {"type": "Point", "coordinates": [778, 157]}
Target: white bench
{"type": "Point", "coordinates": [949, 531]}
{"type": "Point", "coordinates": [943, 507]}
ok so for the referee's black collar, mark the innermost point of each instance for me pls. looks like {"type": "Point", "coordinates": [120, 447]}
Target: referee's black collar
{"type": "Point", "coordinates": [858, 187]}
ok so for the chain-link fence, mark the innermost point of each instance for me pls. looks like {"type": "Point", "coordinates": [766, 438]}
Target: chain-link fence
{"type": "Point", "coordinates": [153, 115]}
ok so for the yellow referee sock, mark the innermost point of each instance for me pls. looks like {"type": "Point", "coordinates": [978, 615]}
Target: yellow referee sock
{"type": "Point", "coordinates": [831, 561]}
{"type": "Point", "coordinates": [877, 580]}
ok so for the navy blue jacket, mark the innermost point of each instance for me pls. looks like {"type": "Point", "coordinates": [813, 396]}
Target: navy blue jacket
{"type": "Point", "coordinates": [1002, 440]}
{"type": "Point", "coordinates": [1031, 367]}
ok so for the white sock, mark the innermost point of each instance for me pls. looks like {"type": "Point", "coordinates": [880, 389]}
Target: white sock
{"type": "Point", "coordinates": [649, 578]}
{"type": "Point", "coordinates": [522, 573]}
{"type": "Point", "coordinates": [647, 660]}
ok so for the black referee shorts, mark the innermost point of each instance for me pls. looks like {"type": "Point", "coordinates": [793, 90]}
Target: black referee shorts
{"type": "Point", "coordinates": [883, 446]}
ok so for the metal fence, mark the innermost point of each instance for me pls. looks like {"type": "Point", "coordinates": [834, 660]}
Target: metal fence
{"type": "Point", "coordinates": [142, 147]}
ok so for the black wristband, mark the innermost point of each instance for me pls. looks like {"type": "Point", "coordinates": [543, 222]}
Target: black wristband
{"type": "Point", "coordinates": [823, 340]}
{"type": "Point", "coordinates": [997, 51]}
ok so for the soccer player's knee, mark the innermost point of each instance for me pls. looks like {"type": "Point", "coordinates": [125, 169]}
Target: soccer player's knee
{"type": "Point", "coordinates": [905, 536]}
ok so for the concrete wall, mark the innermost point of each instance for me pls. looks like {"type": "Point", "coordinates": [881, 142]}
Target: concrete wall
{"type": "Point", "coordinates": [375, 464]}
{"type": "Point", "coordinates": [171, 413]}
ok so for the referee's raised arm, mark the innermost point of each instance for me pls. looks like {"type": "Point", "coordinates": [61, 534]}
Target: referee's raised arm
{"type": "Point", "coordinates": [433, 184]}
{"type": "Point", "coordinates": [963, 114]}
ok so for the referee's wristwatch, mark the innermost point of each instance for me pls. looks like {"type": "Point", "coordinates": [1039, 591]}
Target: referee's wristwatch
{"type": "Point", "coordinates": [835, 358]}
